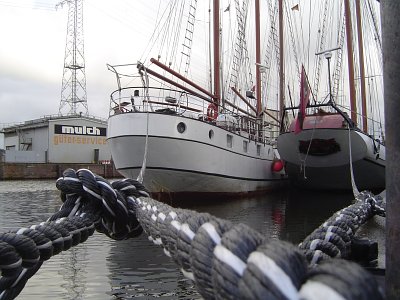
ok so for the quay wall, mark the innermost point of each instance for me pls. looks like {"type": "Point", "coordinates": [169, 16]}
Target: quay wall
{"type": "Point", "coordinates": [17, 171]}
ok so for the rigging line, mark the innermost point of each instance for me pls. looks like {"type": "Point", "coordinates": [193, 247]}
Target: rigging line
{"type": "Point", "coordinates": [107, 13]}
{"type": "Point", "coordinates": [231, 68]}
{"type": "Point", "coordinates": [353, 183]}
{"type": "Point", "coordinates": [303, 160]}
{"type": "Point", "coordinates": [339, 56]}
{"type": "Point", "coordinates": [375, 23]}
{"type": "Point", "coordinates": [268, 57]}
{"type": "Point", "coordinates": [380, 118]}
{"type": "Point", "coordinates": [188, 39]}
{"type": "Point", "coordinates": [309, 35]}
{"type": "Point", "coordinates": [230, 63]}
{"type": "Point", "coordinates": [156, 33]}
{"type": "Point", "coordinates": [209, 75]}
{"type": "Point", "coordinates": [371, 105]}
{"type": "Point", "coordinates": [292, 40]}
{"type": "Point", "coordinates": [374, 33]}
{"type": "Point", "coordinates": [141, 175]}
{"type": "Point", "coordinates": [301, 45]}
{"type": "Point", "coordinates": [175, 33]}
{"type": "Point", "coordinates": [248, 81]}
{"type": "Point", "coordinates": [273, 12]}
{"type": "Point", "coordinates": [358, 114]}
{"type": "Point", "coordinates": [165, 30]}
{"type": "Point", "coordinates": [320, 46]}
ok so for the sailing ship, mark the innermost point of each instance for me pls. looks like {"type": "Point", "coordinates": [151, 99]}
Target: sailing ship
{"type": "Point", "coordinates": [323, 146]}
{"type": "Point", "coordinates": [183, 139]}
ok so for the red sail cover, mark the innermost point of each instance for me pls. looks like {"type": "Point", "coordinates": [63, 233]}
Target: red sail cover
{"type": "Point", "coordinates": [304, 96]}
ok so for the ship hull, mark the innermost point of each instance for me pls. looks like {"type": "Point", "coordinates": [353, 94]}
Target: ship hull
{"type": "Point", "coordinates": [325, 164]}
{"type": "Point", "coordinates": [197, 160]}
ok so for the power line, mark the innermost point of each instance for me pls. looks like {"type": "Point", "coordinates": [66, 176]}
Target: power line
{"type": "Point", "coordinates": [28, 5]}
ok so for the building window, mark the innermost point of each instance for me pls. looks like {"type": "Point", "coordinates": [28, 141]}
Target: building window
{"type": "Point", "coordinates": [259, 150]}
{"type": "Point", "coordinates": [229, 140]}
{"type": "Point", "coordinates": [10, 147]}
{"type": "Point", "coordinates": [245, 146]}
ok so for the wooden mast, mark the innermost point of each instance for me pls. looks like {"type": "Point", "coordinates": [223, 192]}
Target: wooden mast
{"type": "Point", "coordinates": [258, 57]}
{"type": "Point", "coordinates": [281, 63]}
{"type": "Point", "coordinates": [349, 39]}
{"type": "Point", "coordinates": [362, 70]}
{"type": "Point", "coordinates": [217, 88]}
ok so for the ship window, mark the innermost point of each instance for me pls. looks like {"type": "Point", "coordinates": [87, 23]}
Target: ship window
{"type": "Point", "coordinates": [229, 140]}
{"type": "Point", "coordinates": [211, 134]}
{"type": "Point", "coordinates": [258, 150]}
{"type": "Point", "coordinates": [245, 146]}
{"type": "Point", "coordinates": [181, 127]}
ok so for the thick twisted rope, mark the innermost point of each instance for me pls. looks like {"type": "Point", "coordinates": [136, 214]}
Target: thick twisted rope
{"type": "Point", "coordinates": [225, 260]}
{"type": "Point", "coordinates": [334, 237]}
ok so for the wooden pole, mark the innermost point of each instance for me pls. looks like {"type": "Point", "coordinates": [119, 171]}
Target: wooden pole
{"type": "Point", "coordinates": [349, 40]}
{"type": "Point", "coordinates": [362, 69]}
{"type": "Point", "coordinates": [390, 12]}
{"type": "Point", "coordinates": [281, 63]}
{"type": "Point", "coordinates": [217, 86]}
{"type": "Point", "coordinates": [258, 57]}
{"type": "Point", "coordinates": [181, 77]}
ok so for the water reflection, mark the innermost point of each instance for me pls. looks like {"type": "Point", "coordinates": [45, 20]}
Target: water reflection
{"type": "Point", "coordinates": [138, 268]}
{"type": "Point", "coordinates": [306, 210]}
{"type": "Point", "coordinates": [105, 269]}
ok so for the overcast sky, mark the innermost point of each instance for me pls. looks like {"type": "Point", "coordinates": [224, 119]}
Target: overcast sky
{"type": "Point", "coordinates": [33, 35]}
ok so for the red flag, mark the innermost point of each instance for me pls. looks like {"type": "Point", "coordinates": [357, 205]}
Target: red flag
{"type": "Point", "coordinates": [304, 96]}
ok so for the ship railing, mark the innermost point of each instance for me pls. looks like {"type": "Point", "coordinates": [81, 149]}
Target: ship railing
{"type": "Point", "coordinates": [290, 113]}
{"type": "Point", "coordinates": [140, 99]}
{"type": "Point", "coordinates": [375, 128]}
{"type": "Point", "coordinates": [169, 101]}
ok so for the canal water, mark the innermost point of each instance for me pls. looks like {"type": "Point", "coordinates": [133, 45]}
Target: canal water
{"type": "Point", "coordinates": [102, 268]}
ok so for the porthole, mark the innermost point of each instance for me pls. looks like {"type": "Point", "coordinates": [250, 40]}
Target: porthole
{"type": "Point", "coordinates": [211, 134]}
{"type": "Point", "coordinates": [229, 140]}
{"type": "Point", "coordinates": [245, 146]}
{"type": "Point", "coordinates": [181, 127]}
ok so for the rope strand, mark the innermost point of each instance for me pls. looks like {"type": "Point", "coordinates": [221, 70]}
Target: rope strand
{"type": "Point", "coordinates": [225, 260]}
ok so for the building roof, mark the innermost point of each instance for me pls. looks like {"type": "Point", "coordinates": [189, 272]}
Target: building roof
{"type": "Point", "coordinates": [44, 122]}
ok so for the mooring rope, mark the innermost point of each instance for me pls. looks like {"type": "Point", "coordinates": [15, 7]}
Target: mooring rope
{"type": "Point", "coordinates": [352, 178]}
{"type": "Point", "coordinates": [225, 260]}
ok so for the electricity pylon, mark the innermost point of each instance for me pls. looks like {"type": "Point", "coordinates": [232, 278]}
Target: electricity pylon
{"type": "Point", "coordinates": [73, 89]}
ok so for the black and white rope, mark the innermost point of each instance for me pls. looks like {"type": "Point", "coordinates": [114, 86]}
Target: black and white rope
{"type": "Point", "coordinates": [334, 237]}
{"type": "Point", "coordinates": [23, 251]}
{"type": "Point", "coordinates": [225, 260]}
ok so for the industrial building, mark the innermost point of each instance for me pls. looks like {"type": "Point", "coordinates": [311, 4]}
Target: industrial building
{"type": "Point", "coordinates": [57, 139]}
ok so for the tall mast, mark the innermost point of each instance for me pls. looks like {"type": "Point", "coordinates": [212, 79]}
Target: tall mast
{"type": "Point", "coordinates": [258, 56]}
{"type": "Point", "coordinates": [281, 62]}
{"type": "Point", "coordinates": [362, 70]}
{"type": "Point", "coordinates": [217, 88]}
{"type": "Point", "coordinates": [349, 38]}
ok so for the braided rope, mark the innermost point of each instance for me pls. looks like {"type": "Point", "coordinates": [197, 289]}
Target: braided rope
{"type": "Point", "coordinates": [225, 260]}
{"type": "Point", "coordinates": [333, 238]}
